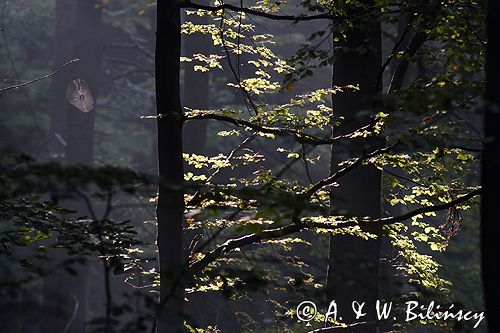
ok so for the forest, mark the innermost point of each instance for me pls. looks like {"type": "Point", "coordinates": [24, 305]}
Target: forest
{"type": "Point", "coordinates": [230, 166]}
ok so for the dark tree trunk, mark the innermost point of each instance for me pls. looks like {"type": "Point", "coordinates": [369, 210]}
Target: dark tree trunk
{"type": "Point", "coordinates": [87, 47]}
{"type": "Point", "coordinates": [354, 262]}
{"type": "Point", "coordinates": [490, 170]}
{"type": "Point", "coordinates": [77, 30]}
{"type": "Point", "coordinates": [65, 13]}
{"type": "Point", "coordinates": [170, 207]}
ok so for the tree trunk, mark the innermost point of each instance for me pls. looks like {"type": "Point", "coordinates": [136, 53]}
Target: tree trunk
{"type": "Point", "coordinates": [354, 263]}
{"type": "Point", "coordinates": [490, 170]}
{"type": "Point", "coordinates": [80, 125]}
{"type": "Point", "coordinates": [65, 15]}
{"type": "Point", "coordinates": [77, 30]}
{"type": "Point", "coordinates": [170, 206]}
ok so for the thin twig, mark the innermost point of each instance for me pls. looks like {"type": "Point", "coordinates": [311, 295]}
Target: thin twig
{"type": "Point", "coordinates": [21, 85]}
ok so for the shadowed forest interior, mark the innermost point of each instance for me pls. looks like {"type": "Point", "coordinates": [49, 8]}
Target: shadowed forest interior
{"type": "Point", "coordinates": [248, 166]}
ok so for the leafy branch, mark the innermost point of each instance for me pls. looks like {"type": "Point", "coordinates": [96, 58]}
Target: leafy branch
{"type": "Point", "coordinates": [255, 238]}
{"type": "Point", "coordinates": [300, 136]}
{"type": "Point", "coordinates": [246, 10]}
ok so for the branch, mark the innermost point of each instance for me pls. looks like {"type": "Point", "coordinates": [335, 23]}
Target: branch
{"type": "Point", "coordinates": [40, 78]}
{"type": "Point", "coordinates": [324, 16]}
{"type": "Point", "coordinates": [255, 238]}
{"type": "Point", "coordinates": [229, 159]}
{"type": "Point", "coordinates": [399, 218]}
{"type": "Point", "coordinates": [410, 51]}
{"type": "Point", "coordinates": [428, 209]}
{"type": "Point", "coordinates": [391, 56]}
{"type": "Point", "coordinates": [331, 179]}
{"type": "Point", "coordinates": [247, 98]}
{"type": "Point", "coordinates": [301, 137]}
{"type": "Point", "coordinates": [351, 327]}
{"type": "Point", "coordinates": [235, 243]}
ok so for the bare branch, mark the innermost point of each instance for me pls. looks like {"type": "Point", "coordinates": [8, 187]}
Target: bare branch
{"type": "Point", "coordinates": [17, 86]}
{"type": "Point", "coordinates": [351, 327]}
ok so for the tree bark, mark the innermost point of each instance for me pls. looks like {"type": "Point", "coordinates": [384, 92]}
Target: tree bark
{"type": "Point", "coordinates": [353, 262]}
{"type": "Point", "coordinates": [88, 48]}
{"type": "Point", "coordinates": [490, 170]}
{"type": "Point", "coordinates": [170, 206]}
{"type": "Point", "coordinates": [65, 15]}
{"type": "Point", "coordinates": [77, 36]}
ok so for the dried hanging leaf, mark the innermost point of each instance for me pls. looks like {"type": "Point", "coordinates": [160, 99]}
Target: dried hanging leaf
{"type": "Point", "coordinates": [453, 224]}
{"type": "Point", "coordinates": [79, 95]}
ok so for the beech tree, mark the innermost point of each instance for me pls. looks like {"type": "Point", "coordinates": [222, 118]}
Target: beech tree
{"type": "Point", "coordinates": [353, 271]}
{"type": "Point", "coordinates": [72, 126]}
{"type": "Point", "coordinates": [170, 208]}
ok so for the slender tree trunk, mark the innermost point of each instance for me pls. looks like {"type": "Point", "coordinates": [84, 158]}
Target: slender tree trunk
{"type": "Point", "coordinates": [170, 207]}
{"type": "Point", "coordinates": [354, 262]}
{"type": "Point", "coordinates": [490, 170]}
{"type": "Point", "coordinates": [77, 30]}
